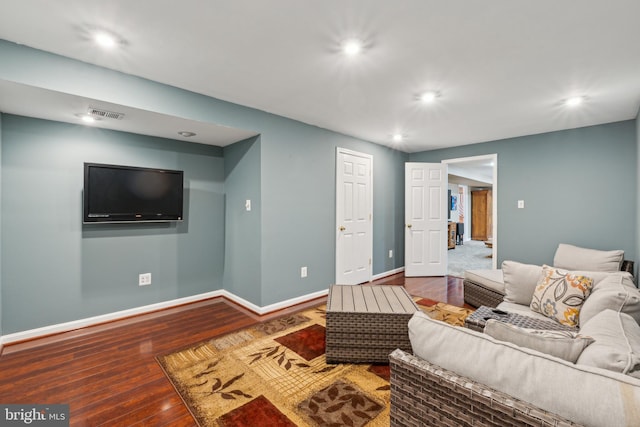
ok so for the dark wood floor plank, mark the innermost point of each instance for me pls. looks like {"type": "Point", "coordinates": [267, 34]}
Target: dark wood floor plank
{"type": "Point", "coordinates": [108, 373]}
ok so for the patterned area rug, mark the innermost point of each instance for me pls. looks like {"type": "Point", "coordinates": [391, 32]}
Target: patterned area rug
{"type": "Point", "coordinates": [444, 312]}
{"type": "Point", "coordinates": [274, 374]}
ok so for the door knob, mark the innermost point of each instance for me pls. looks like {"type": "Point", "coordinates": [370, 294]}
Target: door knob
{"type": "Point", "coordinates": [408, 225]}
{"type": "Point", "coordinates": [342, 228]}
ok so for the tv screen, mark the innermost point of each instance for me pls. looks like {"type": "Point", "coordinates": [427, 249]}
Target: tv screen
{"type": "Point", "coordinates": [131, 194]}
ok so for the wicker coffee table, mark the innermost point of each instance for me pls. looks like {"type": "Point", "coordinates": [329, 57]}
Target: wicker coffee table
{"type": "Point", "coordinates": [366, 323]}
{"type": "Point", "coordinates": [478, 319]}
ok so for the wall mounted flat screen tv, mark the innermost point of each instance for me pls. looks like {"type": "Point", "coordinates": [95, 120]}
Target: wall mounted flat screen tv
{"type": "Point", "coordinates": [131, 194]}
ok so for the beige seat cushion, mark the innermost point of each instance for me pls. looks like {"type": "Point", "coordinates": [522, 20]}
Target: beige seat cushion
{"type": "Point", "coordinates": [521, 309]}
{"type": "Point", "coordinates": [491, 279]}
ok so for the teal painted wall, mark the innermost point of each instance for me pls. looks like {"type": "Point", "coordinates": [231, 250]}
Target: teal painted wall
{"type": "Point", "coordinates": [298, 194]}
{"type": "Point", "coordinates": [579, 187]}
{"type": "Point", "coordinates": [1, 115]}
{"type": "Point", "coordinates": [55, 269]}
{"type": "Point", "coordinates": [637, 266]}
{"type": "Point", "coordinates": [296, 206]}
{"type": "Point", "coordinates": [243, 238]}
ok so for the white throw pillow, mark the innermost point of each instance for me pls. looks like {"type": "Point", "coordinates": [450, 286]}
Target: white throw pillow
{"type": "Point", "coordinates": [566, 345]}
{"type": "Point", "coordinates": [560, 295]}
{"type": "Point", "coordinates": [617, 343]}
{"type": "Point", "coordinates": [520, 281]}
{"type": "Point", "coordinates": [576, 258]}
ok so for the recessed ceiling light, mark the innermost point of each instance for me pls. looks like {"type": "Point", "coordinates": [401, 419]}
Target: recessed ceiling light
{"type": "Point", "coordinates": [104, 39]}
{"type": "Point", "coordinates": [429, 96]}
{"type": "Point", "coordinates": [86, 118]}
{"type": "Point", "coordinates": [352, 47]}
{"type": "Point", "coordinates": [186, 133]}
{"type": "Point", "coordinates": [398, 137]}
{"type": "Point", "coordinates": [574, 101]}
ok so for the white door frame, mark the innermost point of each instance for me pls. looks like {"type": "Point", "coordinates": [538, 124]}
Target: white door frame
{"type": "Point", "coordinates": [340, 151]}
{"type": "Point", "coordinates": [494, 159]}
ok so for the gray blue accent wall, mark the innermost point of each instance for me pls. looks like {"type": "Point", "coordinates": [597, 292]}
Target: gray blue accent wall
{"type": "Point", "coordinates": [243, 228]}
{"type": "Point", "coordinates": [1, 344]}
{"type": "Point", "coordinates": [637, 266]}
{"type": "Point", "coordinates": [55, 269]}
{"type": "Point", "coordinates": [579, 187]}
{"type": "Point", "coordinates": [288, 172]}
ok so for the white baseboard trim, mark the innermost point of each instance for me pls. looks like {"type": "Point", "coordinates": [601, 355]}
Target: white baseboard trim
{"type": "Point", "coordinates": [109, 317]}
{"type": "Point", "coordinates": [387, 273]}
{"type": "Point", "coordinates": [273, 307]}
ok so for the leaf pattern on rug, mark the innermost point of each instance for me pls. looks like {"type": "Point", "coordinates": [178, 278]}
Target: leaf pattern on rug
{"type": "Point", "coordinates": [281, 324]}
{"type": "Point", "coordinates": [321, 311]}
{"type": "Point", "coordinates": [341, 404]}
{"type": "Point", "coordinates": [218, 386]}
{"type": "Point", "coordinates": [280, 357]}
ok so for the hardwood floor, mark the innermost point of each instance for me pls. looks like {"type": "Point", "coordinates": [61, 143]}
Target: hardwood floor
{"type": "Point", "coordinates": [108, 373]}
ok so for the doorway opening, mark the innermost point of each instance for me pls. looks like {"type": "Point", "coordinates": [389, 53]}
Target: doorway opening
{"type": "Point", "coordinates": [473, 182]}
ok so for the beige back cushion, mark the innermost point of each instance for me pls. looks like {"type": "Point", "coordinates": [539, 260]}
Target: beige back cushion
{"type": "Point", "coordinates": [572, 257]}
{"type": "Point", "coordinates": [520, 281]}
{"type": "Point", "coordinates": [617, 343]}
{"type": "Point", "coordinates": [616, 292]}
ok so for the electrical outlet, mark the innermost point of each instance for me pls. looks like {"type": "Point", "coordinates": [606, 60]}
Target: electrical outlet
{"type": "Point", "coordinates": [303, 272]}
{"type": "Point", "coordinates": [520, 204]}
{"type": "Point", "coordinates": [390, 253]}
{"type": "Point", "coordinates": [144, 279]}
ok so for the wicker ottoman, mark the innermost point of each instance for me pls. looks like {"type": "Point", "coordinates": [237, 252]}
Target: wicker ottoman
{"type": "Point", "coordinates": [366, 323]}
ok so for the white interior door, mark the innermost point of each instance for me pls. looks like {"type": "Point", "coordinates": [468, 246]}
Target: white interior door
{"type": "Point", "coordinates": [425, 219]}
{"type": "Point", "coordinates": [354, 207]}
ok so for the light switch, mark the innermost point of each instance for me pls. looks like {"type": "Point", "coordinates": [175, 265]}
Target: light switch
{"type": "Point", "coordinates": [247, 205]}
{"type": "Point", "coordinates": [520, 204]}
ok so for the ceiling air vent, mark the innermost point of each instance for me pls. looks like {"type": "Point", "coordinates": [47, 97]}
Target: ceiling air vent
{"type": "Point", "coordinates": [104, 114]}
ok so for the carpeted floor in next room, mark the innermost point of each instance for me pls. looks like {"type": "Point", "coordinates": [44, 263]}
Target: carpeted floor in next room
{"type": "Point", "coordinates": [472, 255]}
{"type": "Point", "coordinates": [275, 374]}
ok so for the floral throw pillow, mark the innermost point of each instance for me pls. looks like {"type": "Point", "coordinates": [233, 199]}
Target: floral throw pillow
{"type": "Point", "coordinates": [559, 295]}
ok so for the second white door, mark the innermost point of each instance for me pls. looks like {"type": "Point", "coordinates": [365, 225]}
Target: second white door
{"type": "Point", "coordinates": [425, 219]}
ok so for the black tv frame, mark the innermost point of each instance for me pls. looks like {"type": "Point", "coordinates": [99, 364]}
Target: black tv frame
{"type": "Point", "coordinates": [129, 217]}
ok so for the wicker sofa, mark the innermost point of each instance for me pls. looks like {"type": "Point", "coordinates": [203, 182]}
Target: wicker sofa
{"type": "Point", "coordinates": [424, 394]}
{"type": "Point", "coordinates": [460, 377]}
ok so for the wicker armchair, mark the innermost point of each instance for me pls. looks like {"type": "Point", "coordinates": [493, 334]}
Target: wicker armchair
{"type": "Point", "coordinates": [423, 394]}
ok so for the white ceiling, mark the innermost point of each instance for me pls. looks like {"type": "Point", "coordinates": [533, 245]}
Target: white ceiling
{"type": "Point", "coordinates": [473, 171]}
{"type": "Point", "coordinates": [502, 67]}
{"type": "Point", "coordinates": [37, 102]}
